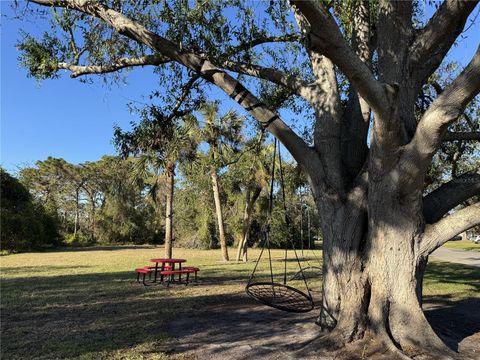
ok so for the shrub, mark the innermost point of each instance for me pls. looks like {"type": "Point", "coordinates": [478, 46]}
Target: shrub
{"type": "Point", "coordinates": [25, 223]}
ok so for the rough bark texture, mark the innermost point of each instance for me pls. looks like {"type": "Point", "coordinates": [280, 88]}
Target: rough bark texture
{"type": "Point", "coordinates": [170, 176]}
{"type": "Point", "coordinates": [219, 212]}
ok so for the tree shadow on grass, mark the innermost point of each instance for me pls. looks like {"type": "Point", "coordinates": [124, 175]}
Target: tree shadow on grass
{"type": "Point", "coordinates": [26, 271]}
{"type": "Point", "coordinates": [73, 315]}
{"type": "Point", "coordinates": [104, 248]}
{"type": "Point", "coordinates": [453, 316]}
{"type": "Point", "coordinates": [456, 321]}
{"type": "Point", "coordinates": [91, 315]}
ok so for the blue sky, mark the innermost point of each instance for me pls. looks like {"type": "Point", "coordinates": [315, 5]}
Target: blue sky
{"type": "Point", "coordinates": [68, 119]}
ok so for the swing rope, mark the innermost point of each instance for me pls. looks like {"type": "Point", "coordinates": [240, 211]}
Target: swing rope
{"type": "Point", "coordinates": [280, 296]}
{"type": "Point", "coordinates": [309, 270]}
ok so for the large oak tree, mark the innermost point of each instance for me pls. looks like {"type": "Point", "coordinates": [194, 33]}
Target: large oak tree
{"type": "Point", "coordinates": [360, 69]}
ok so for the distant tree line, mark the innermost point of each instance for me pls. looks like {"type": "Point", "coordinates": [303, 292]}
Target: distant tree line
{"type": "Point", "coordinates": [220, 197]}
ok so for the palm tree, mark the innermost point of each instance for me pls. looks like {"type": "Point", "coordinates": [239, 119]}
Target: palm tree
{"type": "Point", "coordinates": [223, 136]}
{"type": "Point", "coordinates": [255, 173]}
{"type": "Point", "coordinates": [160, 143]}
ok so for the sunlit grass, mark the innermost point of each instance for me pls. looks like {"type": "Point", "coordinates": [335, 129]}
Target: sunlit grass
{"type": "Point", "coordinates": [462, 245]}
{"type": "Point", "coordinates": [84, 304]}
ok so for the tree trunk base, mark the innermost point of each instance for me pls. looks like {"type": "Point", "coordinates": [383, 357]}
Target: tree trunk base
{"type": "Point", "coordinates": [378, 346]}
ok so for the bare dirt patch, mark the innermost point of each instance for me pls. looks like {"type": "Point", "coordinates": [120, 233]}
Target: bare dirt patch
{"type": "Point", "coordinates": [241, 329]}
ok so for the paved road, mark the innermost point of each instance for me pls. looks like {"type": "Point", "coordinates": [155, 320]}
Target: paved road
{"type": "Point", "coordinates": [465, 257]}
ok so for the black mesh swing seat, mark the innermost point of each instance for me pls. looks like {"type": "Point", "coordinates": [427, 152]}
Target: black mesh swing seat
{"type": "Point", "coordinates": [280, 296]}
{"type": "Point", "coordinates": [271, 293]}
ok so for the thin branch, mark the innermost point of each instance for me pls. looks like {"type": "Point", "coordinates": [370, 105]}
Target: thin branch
{"type": "Point", "coordinates": [326, 38]}
{"type": "Point", "coordinates": [449, 195]}
{"type": "Point", "coordinates": [186, 90]}
{"type": "Point", "coordinates": [437, 37]}
{"type": "Point", "coordinates": [291, 82]}
{"type": "Point", "coordinates": [260, 41]}
{"type": "Point", "coordinates": [439, 233]}
{"type": "Point", "coordinates": [119, 64]}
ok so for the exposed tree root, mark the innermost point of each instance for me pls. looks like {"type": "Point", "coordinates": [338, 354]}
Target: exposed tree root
{"type": "Point", "coordinates": [417, 338]}
{"type": "Point", "coordinates": [388, 343]}
{"type": "Point", "coordinates": [377, 345]}
{"type": "Point", "coordinates": [335, 344]}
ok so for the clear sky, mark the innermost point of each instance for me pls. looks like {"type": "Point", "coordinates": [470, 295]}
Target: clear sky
{"type": "Point", "coordinates": [68, 119]}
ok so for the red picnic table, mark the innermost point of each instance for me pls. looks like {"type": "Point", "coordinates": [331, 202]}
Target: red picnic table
{"type": "Point", "coordinates": [163, 263]}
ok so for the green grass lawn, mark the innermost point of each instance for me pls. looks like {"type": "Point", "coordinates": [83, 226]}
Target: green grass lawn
{"type": "Point", "coordinates": [462, 245]}
{"type": "Point", "coordinates": [83, 304]}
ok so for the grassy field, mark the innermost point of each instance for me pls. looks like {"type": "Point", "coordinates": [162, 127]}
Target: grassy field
{"type": "Point", "coordinates": [83, 304]}
{"type": "Point", "coordinates": [462, 245]}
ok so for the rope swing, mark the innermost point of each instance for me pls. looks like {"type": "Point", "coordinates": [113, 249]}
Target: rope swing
{"type": "Point", "coordinates": [279, 295]}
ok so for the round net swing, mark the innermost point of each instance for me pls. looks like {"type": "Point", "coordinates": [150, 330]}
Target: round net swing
{"type": "Point", "coordinates": [280, 296]}
{"type": "Point", "coordinates": [273, 293]}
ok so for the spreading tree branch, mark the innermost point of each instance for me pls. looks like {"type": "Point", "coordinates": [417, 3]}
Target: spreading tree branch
{"type": "Point", "coordinates": [261, 40]}
{"type": "Point", "coordinates": [196, 62]}
{"type": "Point", "coordinates": [291, 82]}
{"type": "Point", "coordinates": [446, 109]}
{"type": "Point", "coordinates": [77, 70]}
{"type": "Point", "coordinates": [437, 37]}
{"type": "Point", "coordinates": [439, 233]}
{"type": "Point", "coordinates": [449, 195]}
{"type": "Point", "coordinates": [357, 112]}
{"type": "Point", "coordinates": [324, 97]}
{"type": "Point", "coordinates": [395, 31]}
{"type": "Point", "coordinates": [326, 38]}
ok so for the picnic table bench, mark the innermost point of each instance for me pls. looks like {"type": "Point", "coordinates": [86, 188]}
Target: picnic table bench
{"type": "Point", "coordinates": [167, 269]}
{"type": "Point", "coordinates": [171, 275]}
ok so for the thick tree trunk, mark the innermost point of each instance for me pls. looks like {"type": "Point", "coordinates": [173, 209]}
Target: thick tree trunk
{"type": "Point", "coordinates": [170, 174]}
{"type": "Point", "coordinates": [375, 287]}
{"type": "Point", "coordinates": [219, 211]}
{"type": "Point", "coordinates": [247, 215]}
{"type": "Point", "coordinates": [246, 225]}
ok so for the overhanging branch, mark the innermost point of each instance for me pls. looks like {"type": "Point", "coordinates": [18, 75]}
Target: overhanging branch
{"type": "Point", "coordinates": [196, 62]}
{"type": "Point", "coordinates": [437, 37]}
{"type": "Point", "coordinates": [291, 82]}
{"type": "Point", "coordinates": [326, 38]}
{"type": "Point", "coordinates": [447, 196]}
{"type": "Point", "coordinates": [78, 70]}
{"type": "Point", "coordinates": [439, 233]}
{"type": "Point", "coordinates": [444, 110]}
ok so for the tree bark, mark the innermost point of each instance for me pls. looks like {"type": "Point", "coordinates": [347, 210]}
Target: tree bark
{"type": "Point", "coordinates": [93, 217]}
{"type": "Point", "coordinates": [219, 212]}
{"type": "Point", "coordinates": [170, 175]}
{"type": "Point", "coordinates": [75, 228]}
{"type": "Point", "coordinates": [247, 215]}
{"type": "Point", "coordinates": [373, 271]}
